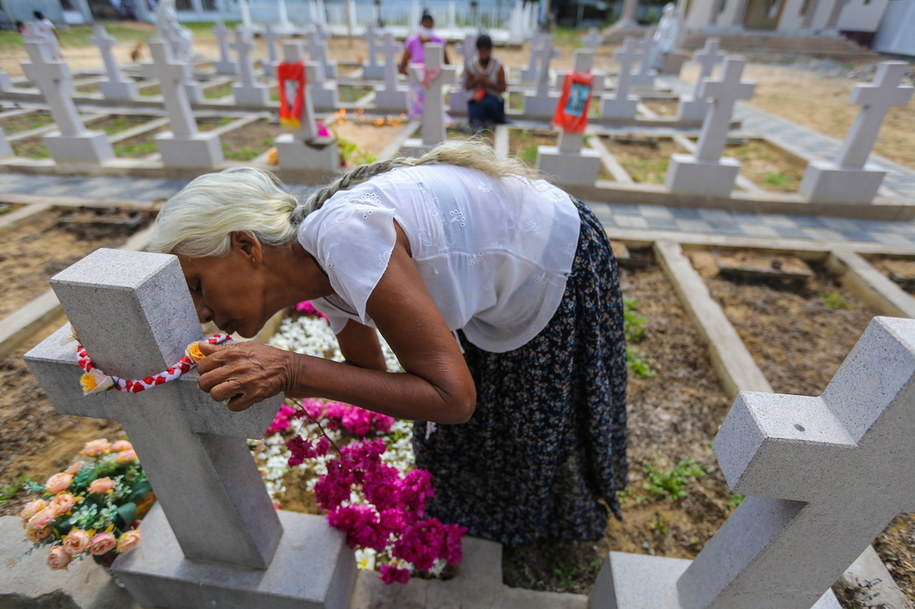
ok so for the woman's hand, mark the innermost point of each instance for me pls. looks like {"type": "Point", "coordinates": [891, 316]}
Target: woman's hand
{"type": "Point", "coordinates": [243, 373]}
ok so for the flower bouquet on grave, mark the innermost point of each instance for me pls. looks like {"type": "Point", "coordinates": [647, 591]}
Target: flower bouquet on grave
{"type": "Point", "coordinates": [92, 508]}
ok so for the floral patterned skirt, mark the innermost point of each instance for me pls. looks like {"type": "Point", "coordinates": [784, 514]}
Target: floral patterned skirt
{"type": "Point", "coordinates": [544, 454]}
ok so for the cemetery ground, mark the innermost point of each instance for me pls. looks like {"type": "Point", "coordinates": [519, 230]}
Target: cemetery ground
{"type": "Point", "coordinates": [677, 497]}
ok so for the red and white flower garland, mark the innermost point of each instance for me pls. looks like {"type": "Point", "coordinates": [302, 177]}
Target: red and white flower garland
{"type": "Point", "coordinates": [96, 381]}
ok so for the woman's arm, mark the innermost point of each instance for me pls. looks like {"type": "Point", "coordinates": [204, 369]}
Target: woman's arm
{"type": "Point", "coordinates": [360, 347]}
{"type": "Point", "coordinates": [435, 385]}
{"type": "Point", "coordinates": [501, 85]}
{"type": "Point", "coordinates": [402, 68]}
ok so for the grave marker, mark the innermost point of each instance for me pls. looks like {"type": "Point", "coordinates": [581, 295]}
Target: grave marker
{"type": "Point", "coordinates": [850, 178]}
{"type": "Point", "coordinates": [592, 40]}
{"type": "Point", "coordinates": [622, 105]}
{"type": "Point", "coordinates": [248, 92]}
{"type": "Point", "coordinates": [530, 73]}
{"type": "Point", "coordinates": [705, 172]}
{"type": "Point", "coordinates": [568, 162]}
{"type": "Point", "coordinates": [372, 70]}
{"type": "Point", "coordinates": [645, 76]}
{"type": "Point", "coordinates": [316, 47]}
{"type": "Point", "coordinates": [433, 128]}
{"type": "Point", "coordinates": [303, 149]}
{"type": "Point", "coordinates": [72, 142]}
{"type": "Point", "coordinates": [321, 86]}
{"type": "Point", "coordinates": [214, 537]}
{"type": "Point", "coordinates": [459, 96]}
{"type": "Point", "coordinates": [391, 98]}
{"type": "Point", "coordinates": [542, 103]}
{"type": "Point", "coordinates": [824, 475]}
{"type": "Point", "coordinates": [225, 64]}
{"type": "Point", "coordinates": [271, 37]}
{"type": "Point", "coordinates": [694, 107]}
{"type": "Point", "coordinates": [184, 145]}
{"type": "Point", "coordinates": [117, 86]}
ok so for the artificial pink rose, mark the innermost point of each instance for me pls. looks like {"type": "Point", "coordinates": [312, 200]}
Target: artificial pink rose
{"type": "Point", "coordinates": [58, 482]}
{"type": "Point", "coordinates": [36, 536]}
{"type": "Point", "coordinates": [58, 558]}
{"type": "Point", "coordinates": [77, 541]}
{"type": "Point", "coordinates": [102, 543]}
{"type": "Point", "coordinates": [101, 486]}
{"type": "Point", "coordinates": [126, 456]}
{"type": "Point", "coordinates": [41, 519]}
{"type": "Point", "coordinates": [121, 445]}
{"type": "Point", "coordinates": [96, 447]}
{"type": "Point", "coordinates": [75, 467]}
{"type": "Point", "coordinates": [128, 541]}
{"type": "Point", "coordinates": [62, 503]}
{"type": "Point", "coordinates": [32, 508]}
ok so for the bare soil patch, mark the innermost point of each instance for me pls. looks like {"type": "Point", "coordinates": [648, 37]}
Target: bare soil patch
{"type": "Point", "coordinates": [768, 166]}
{"type": "Point", "coordinates": [31, 147]}
{"type": "Point", "coordinates": [645, 159]}
{"type": "Point", "coordinates": [666, 109]}
{"type": "Point", "coordinates": [370, 139]}
{"type": "Point", "coordinates": [117, 123]}
{"type": "Point", "coordinates": [899, 270]}
{"type": "Point", "coordinates": [249, 141]}
{"type": "Point", "coordinates": [139, 146]}
{"type": "Point", "coordinates": [26, 122]}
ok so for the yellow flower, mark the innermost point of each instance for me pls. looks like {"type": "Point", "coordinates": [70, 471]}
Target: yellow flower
{"type": "Point", "coordinates": [194, 352]}
{"type": "Point", "coordinates": [273, 157]}
{"type": "Point", "coordinates": [95, 382]}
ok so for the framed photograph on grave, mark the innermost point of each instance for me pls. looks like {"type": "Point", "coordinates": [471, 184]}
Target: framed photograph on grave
{"type": "Point", "coordinates": [572, 110]}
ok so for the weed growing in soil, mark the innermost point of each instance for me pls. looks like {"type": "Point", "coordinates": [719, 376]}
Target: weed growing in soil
{"type": "Point", "coordinates": [633, 328]}
{"type": "Point", "coordinates": [671, 483]}
{"type": "Point", "coordinates": [779, 180]}
{"type": "Point", "coordinates": [136, 150]}
{"type": "Point", "coordinates": [9, 491]}
{"type": "Point", "coordinates": [350, 155]}
{"type": "Point", "coordinates": [733, 501]}
{"type": "Point", "coordinates": [659, 524]}
{"type": "Point", "coordinates": [834, 300]}
{"type": "Point", "coordinates": [529, 155]}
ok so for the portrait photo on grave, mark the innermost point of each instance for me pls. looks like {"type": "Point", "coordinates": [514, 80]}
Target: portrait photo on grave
{"type": "Point", "coordinates": [497, 291]}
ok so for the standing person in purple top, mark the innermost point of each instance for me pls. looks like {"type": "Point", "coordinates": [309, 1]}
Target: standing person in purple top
{"type": "Point", "coordinates": [414, 53]}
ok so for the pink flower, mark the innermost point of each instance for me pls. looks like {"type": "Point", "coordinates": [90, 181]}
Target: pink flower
{"type": "Point", "coordinates": [36, 536]}
{"type": "Point", "coordinates": [125, 456]}
{"type": "Point", "coordinates": [309, 309]}
{"type": "Point", "coordinates": [62, 503]}
{"type": "Point", "coordinates": [32, 508]}
{"type": "Point", "coordinates": [75, 467]}
{"type": "Point", "coordinates": [360, 523]}
{"type": "Point", "coordinates": [128, 541]}
{"type": "Point", "coordinates": [41, 519]}
{"type": "Point", "coordinates": [121, 445]}
{"type": "Point", "coordinates": [102, 543]}
{"type": "Point", "coordinates": [391, 574]}
{"type": "Point", "coordinates": [101, 486]}
{"type": "Point", "coordinates": [77, 541]}
{"type": "Point", "coordinates": [58, 482]}
{"type": "Point", "coordinates": [280, 420]}
{"type": "Point", "coordinates": [58, 558]}
{"type": "Point", "coordinates": [96, 447]}
{"type": "Point", "coordinates": [302, 449]}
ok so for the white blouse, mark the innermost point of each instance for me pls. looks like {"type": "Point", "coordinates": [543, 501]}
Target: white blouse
{"type": "Point", "coordinates": [494, 253]}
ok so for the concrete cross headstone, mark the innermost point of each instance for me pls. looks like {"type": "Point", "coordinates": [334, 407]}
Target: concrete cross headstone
{"type": "Point", "coordinates": [134, 315]}
{"type": "Point", "coordinates": [248, 92]}
{"type": "Point", "coordinates": [850, 179]}
{"type": "Point", "coordinates": [225, 64]}
{"type": "Point", "coordinates": [316, 47]}
{"type": "Point", "coordinates": [627, 18]}
{"type": "Point", "coordinates": [271, 37]}
{"type": "Point", "coordinates": [459, 96]}
{"type": "Point", "coordinates": [644, 77]}
{"type": "Point", "coordinates": [694, 107]}
{"type": "Point", "coordinates": [531, 73]}
{"type": "Point", "coordinates": [245, 11]}
{"type": "Point", "coordinates": [823, 477]}
{"type": "Point", "coordinates": [372, 70]}
{"type": "Point", "coordinates": [621, 105]}
{"type": "Point", "coordinates": [184, 145]}
{"type": "Point", "coordinates": [516, 33]}
{"type": "Point", "coordinates": [541, 103]}
{"type": "Point", "coordinates": [433, 129]}
{"type": "Point", "coordinates": [592, 40]}
{"type": "Point", "coordinates": [705, 172]}
{"type": "Point", "coordinates": [323, 90]}
{"type": "Point", "coordinates": [568, 163]}
{"type": "Point", "coordinates": [117, 86]}
{"type": "Point", "coordinates": [72, 142]}
{"type": "Point", "coordinates": [391, 98]}
{"type": "Point", "coordinates": [283, 17]}
{"type": "Point", "coordinates": [303, 149]}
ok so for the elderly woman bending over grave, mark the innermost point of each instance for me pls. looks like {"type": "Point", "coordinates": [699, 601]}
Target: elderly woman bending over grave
{"type": "Point", "coordinates": [497, 291]}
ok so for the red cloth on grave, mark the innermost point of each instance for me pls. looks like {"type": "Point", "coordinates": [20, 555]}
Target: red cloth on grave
{"type": "Point", "coordinates": [291, 77]}
{"type": "Point", "coordinates": [572, 110]}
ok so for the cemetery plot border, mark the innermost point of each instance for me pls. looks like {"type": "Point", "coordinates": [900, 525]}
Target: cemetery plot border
{"type": "Point", "coordinates": [898, 269]}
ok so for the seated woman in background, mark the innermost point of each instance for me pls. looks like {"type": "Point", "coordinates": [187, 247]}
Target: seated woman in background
{"type": "Point", "coordinates": [484, 77]}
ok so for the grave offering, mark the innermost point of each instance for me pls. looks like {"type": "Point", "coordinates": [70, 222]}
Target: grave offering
{"type": "Point", "coordinates": [248, 92]}
{"type": "Point", "coordinates": [622, 105]}
{"type": "Point", "coordinates": [434, 76]}
{"type": "Point", "coordinates": [303, 149]}
{"type": "Point", "coordinates": [542, 103]}
{"type": "Point", "coordinates": [567, 162]}
{"type": "Point", "coordinates": [705, 172]}
{"type": "Point", "coordinates": [116, 86]}
{"type": "Point", "coordinates": [645, 76]}
{"type": "Point", "coordinates": [796, 531]}
{"type": "Point", "coordinates": [271, 37]}
{"type": "Point", "coordinates": [850, 178]}
{"type": "Point", "coordinates": [214, 538]}
{"type": "Point", "coordinates": [372, 70]}
{"type": "Point", "coordinates": [693, 107]}
{"type": "Point", "coordinates": [225, 64]}
{"type": "Point", "coordinates": [391, 98]}
{"type": "Point", "coordinates": [184, 145]}
{"type": "Point", "coordinates": [72, 142]}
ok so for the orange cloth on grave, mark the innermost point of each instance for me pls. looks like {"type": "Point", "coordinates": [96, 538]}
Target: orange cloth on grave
{"type": "Point", "coordinates": [572, 110]}
{"type": "Point", "coordinates": [291, 77]}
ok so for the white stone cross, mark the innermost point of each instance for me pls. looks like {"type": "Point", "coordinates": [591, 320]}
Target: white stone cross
{"type": "Point", "coordinates": [626, 56]}
{"type": "Point", "coordinates": [433, 129]}
{"type": "Point", "coordinates": [877, 98]}
{"type": "Point", "coordinates": [707, 58]}
{"type": "Point", "coordinates": [284, 25]}
{"type": "Point", "coordinates": [839, 467]}
{"type": "Point", "coordinates": [544, 53]}
{"type": "Point", "coordinates": [372, 68]}
{"type": "Point", "coordinates": [592, 40]}
{"type": "Point", "coordinates": [316, 47]}
{"type": "Point", "coordinates": [292, 54]}
{"type": "Point", "coordinates": [469, 47]}
{"type": "Point", "coordinates": [54, 80]}
{"type": "Point", "coordinates": [391, 98]}
{"type": "Point", "coordinates": [245, 11]}
{"type": "Point", "coordinates": [244, 46]}
{"type": "Point", "coordinates": [649, 49]}
{"type": "Point", "coordinates": [134, 315]}
{"type": "Point", "coordinates": [117, 86]}
{"type": "Point", "coordinates": [225, 64]}
{"type": "Point", "coordinates": [271, 36]}
{"type": "Point", "coordinates": [171, 76]}
{"type": "Point", "coordinates": [530, 72]}
{"type": "Point", "coordinates": [724, 93]}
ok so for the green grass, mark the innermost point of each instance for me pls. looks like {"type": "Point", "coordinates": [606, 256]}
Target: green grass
{"type": "Point", "coordinates": [133, 150]}
{"type": "Point", "coordinates": [634, 330]}
{"type": "Point", "coordinates": [78, 35]}
{"type": "Point", "coordinates": [9, 491]}
{"type": "Point", "coordinates": [780, 180]}
{"type": "Point", "coordinates": [247, 153]}
{"type": "Point", "coordinates": [671, 484]}
{"type": "Point", "coordinates": [120, 123]}
{"type": "Point", "coordinates": [218, 91]}
{"type": "Point", "coordinates": [529, 155]}
{"type": "Point", "coordinates": [834, 300]}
